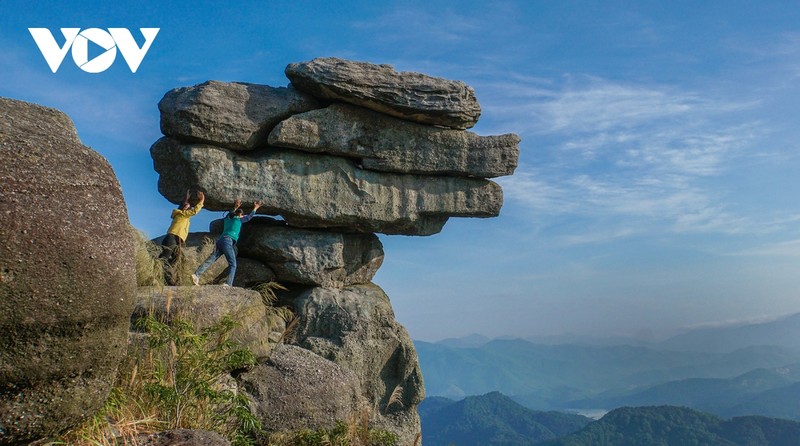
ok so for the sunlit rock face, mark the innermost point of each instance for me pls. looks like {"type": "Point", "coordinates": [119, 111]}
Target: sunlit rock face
{"type": "Point", "coordinates": [67, 274]}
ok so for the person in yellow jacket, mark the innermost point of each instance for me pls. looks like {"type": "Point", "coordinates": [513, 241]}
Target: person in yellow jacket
{"type": "Point", "coordinates": [176, 234]}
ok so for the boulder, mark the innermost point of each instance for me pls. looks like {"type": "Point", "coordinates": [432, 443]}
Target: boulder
{"type": "Point", "coordinates": [183, 437]}
{"type": "Point", "coordinates": [295, 389]}
{"type": "Point", "coordinates": [199, 245]}
{"type": "Point", "coordinates": [388, 144]}
{"type": "Point", "coordinates": [355, 328]}
{"type": "Point", "coordinates": [317, 191]}
{"type": "Point", "coordinates": [406, 95]}
{"type": "Point", "coordinates": [67, 274]}
{"type": "Point", "coordinates": [235, 115]}
{"type": "Point", "coordinates": [249, 273]}
{"type": "Point", "coordinates": [310, 257]}
{"type": "Point", "coordinates": [206, 305]}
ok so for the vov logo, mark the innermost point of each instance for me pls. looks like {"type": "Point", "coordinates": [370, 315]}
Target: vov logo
{"type": "Point", "coordinates": [79, 40]}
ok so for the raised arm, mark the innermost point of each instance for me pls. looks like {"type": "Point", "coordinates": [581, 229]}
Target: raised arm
{"type": "Point", "coordinates": [252, 213]}
{"type": "Point", "coordinates": [201, 199]}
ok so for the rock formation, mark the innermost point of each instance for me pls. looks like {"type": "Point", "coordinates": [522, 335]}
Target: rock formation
{"type": "Point", "coordinates": [322, 191]}
{"type": "Point", "coordinates": [355, 327]}
{"type": "Point", "coordinates": [309, 257]}
{"type": "Point", "coordinates": [207, 305]}
{"type": "Point", "coordinates": [388, 144]}
{"type": "Point", "coordinates": [235, 115]}
{"type": "Point", "coordinates": [350, 149]}
{"type": "Point", "coordinates": [412, 96]}
{"type": "Point", "coordinates": [67, 277]}
{"type": "Point", "coordinates": [297, 389]}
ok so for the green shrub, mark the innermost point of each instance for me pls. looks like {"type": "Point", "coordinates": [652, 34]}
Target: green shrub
{"type": "Point", "coordinates": [183, 372]}
{"type": "Point", "coordinates": [176, 378]}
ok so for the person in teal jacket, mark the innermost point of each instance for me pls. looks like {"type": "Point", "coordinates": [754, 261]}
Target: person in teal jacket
{"type": "Point", "coordinates": [225, 243]}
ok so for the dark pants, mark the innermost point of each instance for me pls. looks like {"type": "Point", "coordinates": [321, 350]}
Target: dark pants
{"type": "Point", "coordinates": [171, 251]}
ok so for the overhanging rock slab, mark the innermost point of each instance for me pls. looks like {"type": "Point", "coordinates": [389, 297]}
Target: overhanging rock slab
{"type": "Point", "coordinates": [316, 191]}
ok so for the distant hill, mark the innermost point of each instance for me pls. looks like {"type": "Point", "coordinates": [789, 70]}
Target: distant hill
{"type": "Point", "coordinates": [782, 402]}
{"type": "Point", "coordinates": [675, 426]}
{"type": "Point", "coordinates": [783, 332]}
{"type": "Point", "coordinates": [544, 377]}
{"type": "Point", "coordinates": [768, 392]}
{"type": "Point", "coordinates": [491, 419]}
{"type": "Point", "coordinates": [473, 340]}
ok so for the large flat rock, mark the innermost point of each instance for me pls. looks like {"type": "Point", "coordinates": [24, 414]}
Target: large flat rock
{"type": "Point", "coordinates": [317, 191]}
{"type": "Point", "coordinates": [407, 95]}
{"type": "Point", "coordinates": [235, 115]}
{"type": "Point", "coordinates": [67, 274]}
{"type": "Point", "coordinates": [205, 306]}
{"type": "Point", "coordinates": [384, 143]}
{"type": "Point", "coordinates": [310, 257]}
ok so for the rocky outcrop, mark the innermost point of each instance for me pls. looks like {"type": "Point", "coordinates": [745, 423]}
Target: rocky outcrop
{"type": "Point", "coordinates": [295, 389]}
{"type": "Point", "coordinates": [387, 154]}
{"type": "Point", "coordinates": [206, 305]}
{"type": "Point", "coordinates": [387, 144]}
{"type": "Point", "coordinates": [310, 257]}
{"type": "Point", "coordinates": [322, 191]}
{"type": "Point", "coordinates": [235, 115]}
{"type": "Point", "coordinates": [67, 278]}
{"type": "Point", "coordinates": [412, 96]}
{"type": "Point", "coordinates": [355, 328]}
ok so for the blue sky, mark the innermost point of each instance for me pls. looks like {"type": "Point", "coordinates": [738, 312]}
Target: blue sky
{"type": "Point", "coordinates": [658, 170]}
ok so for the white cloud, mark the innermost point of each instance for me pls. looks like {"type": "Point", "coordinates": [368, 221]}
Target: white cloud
{"type": "Point", "coordinates": [789, 248]}
{"type": "Point", "coordinates": [655, 154]}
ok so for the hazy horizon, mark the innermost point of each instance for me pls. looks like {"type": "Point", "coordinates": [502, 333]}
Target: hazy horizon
{"type": "Point", "coordinates": [655, 189]}
{"type": "Point", "coordinates": [642, 337]}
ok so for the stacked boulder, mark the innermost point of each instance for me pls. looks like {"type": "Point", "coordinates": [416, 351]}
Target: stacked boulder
{"type": "Point", "coordinates": [348, 150]}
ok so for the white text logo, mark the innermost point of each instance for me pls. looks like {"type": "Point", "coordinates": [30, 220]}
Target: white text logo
{"type": "Point", "coordinates": [79, 40]}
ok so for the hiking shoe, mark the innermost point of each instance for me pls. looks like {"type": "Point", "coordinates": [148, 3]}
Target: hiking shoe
{"type": "Point", "coordinates": [225, 285]}
{"type": "Point", "coordinates": [195, 280]}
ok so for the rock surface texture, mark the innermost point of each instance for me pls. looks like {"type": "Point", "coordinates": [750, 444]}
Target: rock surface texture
{"type": "Point", "coordinates": [67, 277]}
{"type": "Point", "coordinates": [355, 328]}
{"type": "Point", "coordinates": [322, 191]}
{"type": "Point", "coordinates": [388, 144]}
{"type": "Point", "coordinates": [412, 96]}
{"type": "Point", "coordinates": [310, 257]}
{"type": "Point", "coordinates": [297, 389]}
{"type": "Point", "coordinates": [206, 306]}
{"type": "Point", "coordinates": [235, 115]}
{"type": "Point", "coordinates": [183, 437]}
{"type": "Point", "coordinates": [349, 150]}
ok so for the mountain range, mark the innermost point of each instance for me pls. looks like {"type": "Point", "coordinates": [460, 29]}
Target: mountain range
{"type": "Point", "coordinates": [728, 371]}
{"type": "Point", "coordinates": [494, 419]}
{"type": "Point", "coordinates": [679, 426]}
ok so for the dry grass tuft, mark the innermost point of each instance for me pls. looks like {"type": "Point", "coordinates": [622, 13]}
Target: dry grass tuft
{"type": "Point", "coordinates": [149, 268]}
{"type": "Point", "coordinates": [396, 398]}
